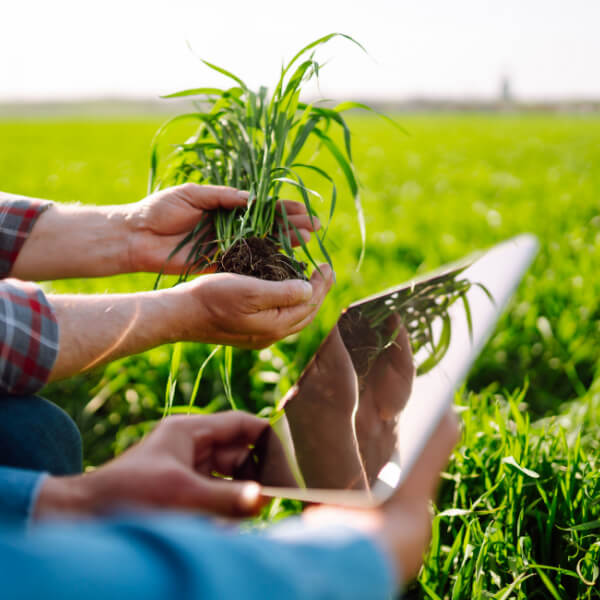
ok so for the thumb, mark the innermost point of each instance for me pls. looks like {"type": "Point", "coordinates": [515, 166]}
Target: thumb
{"type": "Point", "coordinates": [210, 197]}
{"type": "Point", "coordinates": [224, 497]}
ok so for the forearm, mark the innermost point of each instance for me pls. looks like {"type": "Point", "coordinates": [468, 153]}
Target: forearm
{"type": "Point", "coordinates": [75, 241]}
{"type": "Point", "coordinates": [167, 557]}
{"type": "Point", "coordinates": [96, 329]}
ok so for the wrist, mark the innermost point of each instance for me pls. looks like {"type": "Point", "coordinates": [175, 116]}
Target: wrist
{"type": "Point", "coordinates": [62, 496]}
{"type": "Point", "coordinates": [186, 314]}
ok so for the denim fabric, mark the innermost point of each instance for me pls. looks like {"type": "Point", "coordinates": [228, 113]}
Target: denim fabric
{"type": "Point", "coordinates": [38, 435]}
{"type": "Point", "coordinates": [19, 490]}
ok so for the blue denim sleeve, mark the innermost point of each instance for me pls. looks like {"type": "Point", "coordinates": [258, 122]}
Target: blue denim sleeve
{"type": "Point", "coordinates": [18, 492]}
{"type": "Point", "coordinates": [183, 557]}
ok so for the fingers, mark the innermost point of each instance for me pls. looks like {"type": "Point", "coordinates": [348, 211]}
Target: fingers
{"type": "Point", "coordinates": [279, 322]}
{"type": "Point", "coordinates": [219, 428]}
{"type": "Point", "coordinates": [298, 216]}
{"type": "Point", "coordinates": [423, 479]}
{"type": "Point", "coordinates": [209, 197]}
{"type": "Point", "coordinates": [265, 295]}
{"type": "Point", "coordinates": [299, 317]}
{"type": "Point", "coordinates": [291, 207]}
{"type": "Point", "coordinates": [223, 497]}
{"type": "Point", "coordinates": [232, 425]}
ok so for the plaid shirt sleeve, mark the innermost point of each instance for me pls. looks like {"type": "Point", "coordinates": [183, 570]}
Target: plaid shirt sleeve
{"type": "Point", "coordinates": [28, 327]}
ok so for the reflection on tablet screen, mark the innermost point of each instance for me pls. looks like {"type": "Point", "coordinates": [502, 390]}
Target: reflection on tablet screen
{"type": "Point", "coordinates": [343, 413]}
{"type": "Point", "coordinates": [388, 369]}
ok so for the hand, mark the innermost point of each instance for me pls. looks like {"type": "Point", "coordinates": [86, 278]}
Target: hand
{"type": "Point", "coordinates": [384, 392]}
{"type": "Point", "coordinates": [343, 413]}
{"type": "Point", "coordinates": [320, 411]}
{"type": "Point", "coordinates": [402, 526]}
{"type": "Point", "coordinates": [159, 222]}
{"type": "Point", "coordinates": [246, 312]}
{"type": "Point", "coordinates": [170, 469]}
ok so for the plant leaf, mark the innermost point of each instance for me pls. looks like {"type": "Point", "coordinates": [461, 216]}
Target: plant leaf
{"type": "Point", "coordinates": [202, 91]}
{"type": "Point", "coordinates": [225, 72]}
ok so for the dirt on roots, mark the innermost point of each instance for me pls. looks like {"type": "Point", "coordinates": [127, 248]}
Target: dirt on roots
{"type": "Point", "coordinates": [262, 258]}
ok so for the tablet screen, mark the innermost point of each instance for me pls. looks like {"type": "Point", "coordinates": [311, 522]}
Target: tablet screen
{"type": "Point", "coordinates": [367, 402]}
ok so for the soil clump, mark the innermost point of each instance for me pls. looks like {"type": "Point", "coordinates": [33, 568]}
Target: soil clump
{"type": "Point", "coordinates": [262, 258]}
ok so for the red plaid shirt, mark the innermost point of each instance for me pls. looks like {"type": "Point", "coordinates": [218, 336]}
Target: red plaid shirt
{"type": "Point", "coordinates": [28, 327]}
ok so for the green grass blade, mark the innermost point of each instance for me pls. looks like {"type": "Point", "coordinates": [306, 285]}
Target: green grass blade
{"type": "Point", "coordinates": [199, 378]}
{"type": "Point", "coordinates": [318, 42]}
{"type": "Point", "coordinates": [344, 106]}
{"type": "Point", "coordinates": [172, 381]}
{"type": "Point", "coordinates": [467, 308]}
{"type": "Point", "coordinates": [202, 91]}
{"type": "Point", "coordinates": [333, 192]}
{"type": "Point", "coordinates": [225, 370]}
{"type": "Point", "coordinates": [225, 72]}
{"type": "Point", "coordinates": [154, 144]}
{"type": "Point", "coordinates": [353, 185]}
{"type": "Point", "coordinates": [549, 585]}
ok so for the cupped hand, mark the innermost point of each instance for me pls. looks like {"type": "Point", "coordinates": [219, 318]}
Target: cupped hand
{"type": "Point", "coordinates": [402, 526]}
{"type": "Point", "coordinates": [246, 312]}
{"type": "Point", "coordinates": [173, 468]}
{"type": "Point", "coordinates": [158, 223]}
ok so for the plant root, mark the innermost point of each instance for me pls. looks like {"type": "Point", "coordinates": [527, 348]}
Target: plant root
{"type": "Point", "coordinates": [262, 258]}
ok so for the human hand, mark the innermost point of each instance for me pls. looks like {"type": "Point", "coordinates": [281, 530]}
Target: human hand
{"type": "Point", "coordinates": [158, 223]}
{"type": "Point", "coordinates": [384, 391]}
{"type": "Point", "coordinates": [402, 526]}
{"type": "Point", "coordinates": [320, 410]}
{"type": "Point", "coordinates": [245, 312]}
{"type": "Point", "coordinates": [172, 468]}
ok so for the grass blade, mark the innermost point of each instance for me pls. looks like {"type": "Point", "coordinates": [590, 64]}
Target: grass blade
{"type": "Point", "coordinates": [199, 377]}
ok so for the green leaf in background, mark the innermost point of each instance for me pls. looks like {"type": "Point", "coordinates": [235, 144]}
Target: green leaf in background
{"type": "Point", "coordinates": [172, 381]}
{"type": "Point", "coordinates": [513, 464]}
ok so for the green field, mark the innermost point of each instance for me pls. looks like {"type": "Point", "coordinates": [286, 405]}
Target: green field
{"type": "Point", "coordinates": [519, 513]}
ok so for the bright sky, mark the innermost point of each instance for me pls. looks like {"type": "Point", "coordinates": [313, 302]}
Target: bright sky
{"type": "Point", "coordinates": [68, 49]}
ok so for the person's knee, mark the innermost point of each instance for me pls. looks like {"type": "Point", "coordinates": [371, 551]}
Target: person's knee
{"type": "Point", "coordinates": [38, 435]}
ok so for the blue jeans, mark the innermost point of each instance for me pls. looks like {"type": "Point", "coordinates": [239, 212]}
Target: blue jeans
{"type": "Point", "coordinates": [38, 435]}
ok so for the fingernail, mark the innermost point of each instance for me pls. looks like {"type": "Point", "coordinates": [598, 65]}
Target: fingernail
{"type": "Point", "coordinates": [326, 269]}
{"type": "Point", "coordinates": [307, 290]}
{"type": "Point", "coordinates": [243, 194]}
{"type": "Point", "coordinates": [305, 234]}
{"type": "Point", "coordinates": [249, 497]}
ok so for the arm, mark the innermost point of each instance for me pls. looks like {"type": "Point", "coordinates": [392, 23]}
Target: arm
{"type": "Point", "coordinates": [334, 553]}
{"type": "Point", "coordinates": [215, 309]}
{"type": "Point", "coordinates": [28, 330]}
{"type": "Point", "coordinates": [19, 490]}
{"type": "Point", "coordinates": [92, 241]}
{"type": "Point", "coordinates": [166, 557]}
{"type": "Point", "coordinates": [75, 241]}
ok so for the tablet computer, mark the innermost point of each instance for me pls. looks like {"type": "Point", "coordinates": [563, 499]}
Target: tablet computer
{"type": "Point", "coordinates": [368, 401]}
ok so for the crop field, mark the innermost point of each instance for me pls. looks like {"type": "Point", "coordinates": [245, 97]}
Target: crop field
{"type": "Point", "coordinates": [519, 510]}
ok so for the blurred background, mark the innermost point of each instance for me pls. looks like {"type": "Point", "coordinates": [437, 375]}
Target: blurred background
{"type": "Point", "coordinates": [472, 51]}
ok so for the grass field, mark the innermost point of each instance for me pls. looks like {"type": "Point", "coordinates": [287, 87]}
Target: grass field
{"type": "Point", "coordinates": [519, 512]}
